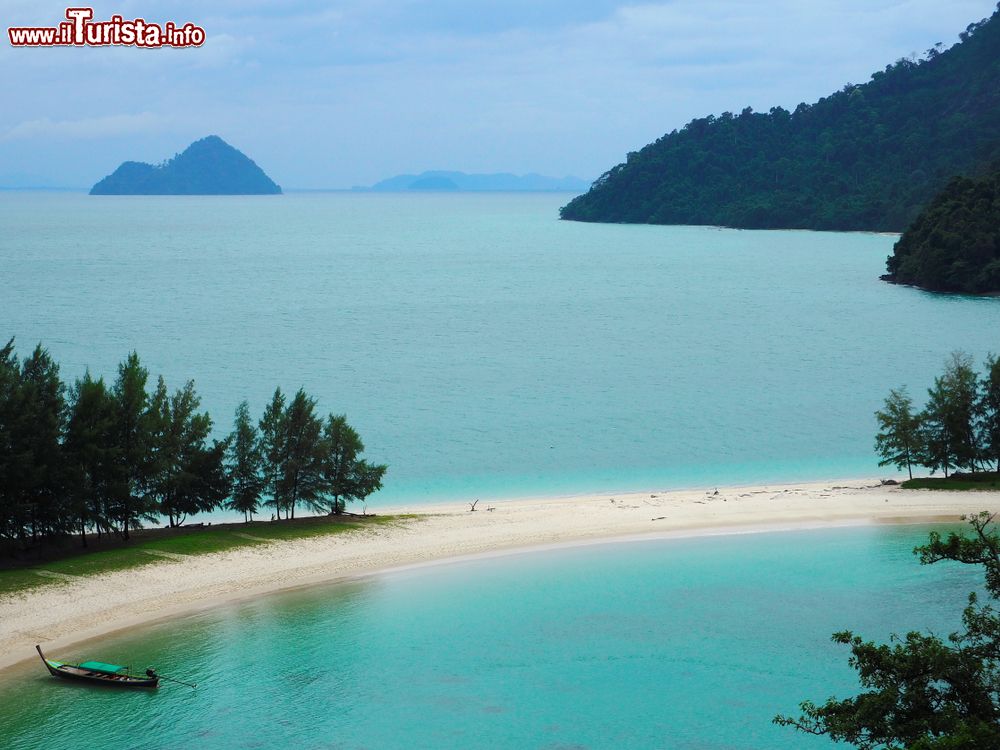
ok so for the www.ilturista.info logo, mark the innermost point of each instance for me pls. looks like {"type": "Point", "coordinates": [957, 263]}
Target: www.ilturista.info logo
{"type": "Point", "coordinates": [80, 30]}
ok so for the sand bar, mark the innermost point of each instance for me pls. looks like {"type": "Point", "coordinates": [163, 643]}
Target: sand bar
{"type": "Point", "coordinates": [72, 611]}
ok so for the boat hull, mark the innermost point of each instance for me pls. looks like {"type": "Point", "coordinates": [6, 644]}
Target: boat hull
{"type": "Point", "coordinates": [76, 673]}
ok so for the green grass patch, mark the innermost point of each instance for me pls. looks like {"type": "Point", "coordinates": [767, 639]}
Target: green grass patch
{"type": "Point", "coordinates": [956, 482]}
{"type": "Point", "coordinates": [185, 541]}
{"type": "Point", "coordinates": [306, 528]}
{"type": "Point", "coordinates": [15, 581]}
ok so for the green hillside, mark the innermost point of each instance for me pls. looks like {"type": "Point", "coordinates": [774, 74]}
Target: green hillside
{"type": "Point", "coordinates": [954, 245]}
{"type": "Point", "coordinates": [868, 157]}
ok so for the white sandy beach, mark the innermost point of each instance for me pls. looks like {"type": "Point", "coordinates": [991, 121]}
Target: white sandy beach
{"type": "Point", "coordinates": [74, 610]}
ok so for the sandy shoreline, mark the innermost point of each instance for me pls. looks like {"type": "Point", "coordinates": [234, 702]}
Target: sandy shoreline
{"type": "Point", "coordinates": [74, 611]}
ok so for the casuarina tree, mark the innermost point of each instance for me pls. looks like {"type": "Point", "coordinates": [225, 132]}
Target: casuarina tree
{"type": "Point", "coordinates": [924, 692]}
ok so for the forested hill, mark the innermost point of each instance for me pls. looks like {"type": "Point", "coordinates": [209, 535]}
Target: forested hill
{"type": "Point", "coordinates": [954, 245]}
{"type": "Point", "coordinates": [209, 166]}
{"type": "Point", "coordinates": [868, 157]}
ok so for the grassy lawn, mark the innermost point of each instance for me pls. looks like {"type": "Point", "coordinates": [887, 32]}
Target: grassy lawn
{"type": "Point", "coordinates": [184, 541]}
{"type": "Point", "coordinates": [305, 528]}
{"type": "Point", "coordinates": [984, 481]}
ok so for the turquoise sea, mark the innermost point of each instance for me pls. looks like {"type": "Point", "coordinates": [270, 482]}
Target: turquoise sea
{"type": "Point", "coordinates": [683, 644]}
{"type": "Point", "coordinates": [484, 348]}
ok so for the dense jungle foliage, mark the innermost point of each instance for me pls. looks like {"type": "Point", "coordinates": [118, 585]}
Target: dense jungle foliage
{"type": "Point", "coordinates": [868, 157]}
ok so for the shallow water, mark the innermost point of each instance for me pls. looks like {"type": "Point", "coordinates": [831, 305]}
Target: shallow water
{"type": "Point", "coordinates": [484, 348]}
{"type": "Point", "coordinates": [688, 644]}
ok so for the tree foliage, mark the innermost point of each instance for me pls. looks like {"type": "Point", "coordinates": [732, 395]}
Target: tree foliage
{"type": "Point", "coordinates": [898, 438]}
{"type": "Point", "coordinates": [133, 439]}
{"type": "Point", "coordinates": [300, 470]}
{"type": "Point", "coordinates": [923, 692]}
{"type": "Point", "coordinates": [954, 244]}
{"type": "Point", "coordinates": [94, 458]}
{"type": "Point", "coordinates": [90, 451]}
{"type": "Point", "coordinates": [868, 157]}
{"type": "Point", "coordinates": [311, 462]}
{"type": "Point", "coordinates": [245, 464]}
{"type": "Point", "coordinates": [186, 476]}
{"type": "Point", "coordinates": [990, 406]}
{"type": "Point", "coordinates": [348, 476]}
{"type": "Point", "coordinates": [957, 428]}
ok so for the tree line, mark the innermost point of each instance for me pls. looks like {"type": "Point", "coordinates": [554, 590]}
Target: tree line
{"type": "Point", "coordinates": [954, 245]}
{"type": "Point", "coordinates": [867, 157]}
{"type": "Point", "coordinates": [958, 428]}
{"type": "Point", "coordinates": [100, 458]}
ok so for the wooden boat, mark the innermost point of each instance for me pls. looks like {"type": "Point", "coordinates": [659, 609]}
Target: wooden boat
{"type": "Point", "coordinates": [99, 673]}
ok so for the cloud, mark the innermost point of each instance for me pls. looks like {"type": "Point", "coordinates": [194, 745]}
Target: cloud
{"type": "Point", "coordinates": [87, 128]}
{"type": "Point", "coordinates": [347, 93]}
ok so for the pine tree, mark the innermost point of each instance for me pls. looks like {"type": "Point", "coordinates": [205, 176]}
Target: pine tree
{"type": "Point", "coordinates": [301, 469]}
{"type": "Point", "coordinates": [14, 462]}
{"type": "Point", "coordinates": [898, 439]}
{"type": "Point", "coordinates": [244, 464]}
{"type": "Point", "coordinates": [347, 476]}
{"type": "Point", "coordinates": [90, 454]}
{"type": "Point", "coordinates": [272, 449]}
{"type": "Point", "coordinates": [989, 412]}
{"type": "Point", "coordinates": [184, 481]}
{"type": "Point", "coordinates": [44, 415]}
{"type": "Point", "coordinates": [949, 419]}
{"type": "Point", "coordinates": [133, 446]}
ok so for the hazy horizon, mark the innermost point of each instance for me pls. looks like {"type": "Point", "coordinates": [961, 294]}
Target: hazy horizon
{"type": "Point", "coordinates": [331, 98]}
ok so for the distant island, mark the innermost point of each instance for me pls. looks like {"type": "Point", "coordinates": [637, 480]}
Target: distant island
{"type": "Point", "coordinates": [954, 245]}
{"type": "Point", "coordinates": [206, 167]}
{"type": "Point", "coordinates": [461, 182]}
{"type": "Point", "coordinates": [868, 157]}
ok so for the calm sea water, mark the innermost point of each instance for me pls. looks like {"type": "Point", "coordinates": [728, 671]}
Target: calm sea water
{"type": "Point", "coordinates": [691, 644]}
{"type": "Point", "coordinates": [484, 348]}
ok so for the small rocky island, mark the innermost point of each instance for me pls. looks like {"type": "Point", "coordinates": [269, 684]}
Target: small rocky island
{"type": "Point", "coordinates": [954, 245]}
{"type": "Point", "coordinates": [207, 167]}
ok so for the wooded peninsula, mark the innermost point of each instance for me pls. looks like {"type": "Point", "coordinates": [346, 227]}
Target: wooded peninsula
{"type": "Point", "coordinates": [954, 245]}
{"type": "Point", "coordinates": [881, 156]}
{"type": "Point", "coordinates": [868, 157]}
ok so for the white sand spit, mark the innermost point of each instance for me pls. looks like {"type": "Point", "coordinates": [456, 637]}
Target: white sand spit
{"type": "Point", "coordinates": [73, 610]}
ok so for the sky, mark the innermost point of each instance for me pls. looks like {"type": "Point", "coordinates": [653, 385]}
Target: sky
{"type": "Point", "coordinates": [336, 94]}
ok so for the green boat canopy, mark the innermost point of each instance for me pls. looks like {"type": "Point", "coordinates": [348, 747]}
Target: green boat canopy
{"type": "Point", "coordinates": [99, 666]}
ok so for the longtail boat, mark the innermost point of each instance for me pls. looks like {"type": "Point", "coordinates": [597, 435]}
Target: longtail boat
{"type": "Point", "coordinates": [99, 673]}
